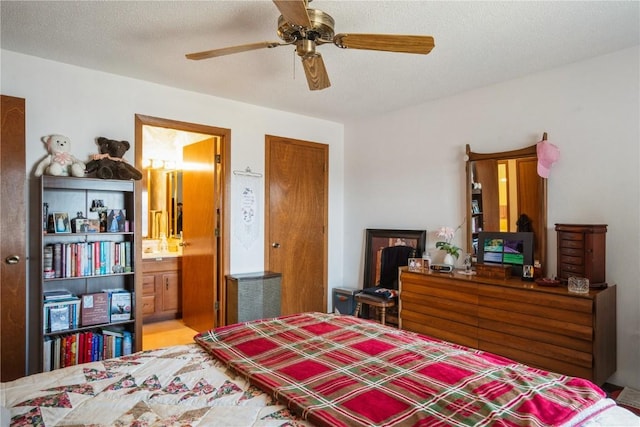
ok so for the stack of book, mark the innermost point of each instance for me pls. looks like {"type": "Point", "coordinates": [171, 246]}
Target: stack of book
{"type": "Point", "coordinates": [61, 311]}
{"type": "Point", "coordinates": [71, 349]}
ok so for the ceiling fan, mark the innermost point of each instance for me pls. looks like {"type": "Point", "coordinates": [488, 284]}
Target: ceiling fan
{"type": "Point", "coordinates": [307, 28]}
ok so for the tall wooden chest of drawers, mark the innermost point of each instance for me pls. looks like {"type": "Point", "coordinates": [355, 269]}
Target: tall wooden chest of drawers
{"type": "Point", "coordinates": [581, 252]}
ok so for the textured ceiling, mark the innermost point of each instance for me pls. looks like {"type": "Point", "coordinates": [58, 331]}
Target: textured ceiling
{"type": "Point", "coordinates": [477, 44]}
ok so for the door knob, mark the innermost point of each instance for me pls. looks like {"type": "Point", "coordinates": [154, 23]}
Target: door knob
{"type": "Point", "coordinates": [183, 244]}
{"type": "Point", "coordinates": [275, 245]}
{"type": "Point", "coordinates": [13, 259]}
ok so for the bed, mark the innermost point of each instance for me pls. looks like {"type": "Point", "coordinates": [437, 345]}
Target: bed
{"type": "Point", "coordinates": [309, 369]}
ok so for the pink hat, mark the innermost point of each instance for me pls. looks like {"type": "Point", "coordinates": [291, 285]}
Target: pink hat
{"type": "Point", "coordinates": [548, 154]}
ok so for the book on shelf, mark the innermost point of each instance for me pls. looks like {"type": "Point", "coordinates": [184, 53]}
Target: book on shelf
{"type": "Point", "coordinates": [127, 343]}
{"type": "Point", "coordinates": [57, 259]}
{"type": "Point", "coordinates": [61, 315]}
{"type": "Point", "coordinates": [47, 262]}
{"type": "Point", "coordinates": [120, 304]}
{"type": "Point", "coordinates": [59, 318]}
{"type": "Point", "coordinates": [58, 294]}
{"type": "Point", "coordinates": [127, 257]}
{"type": "Point", "coordinates": [95, 309]}
{"type": "Point", "coordinates": [47, 351]}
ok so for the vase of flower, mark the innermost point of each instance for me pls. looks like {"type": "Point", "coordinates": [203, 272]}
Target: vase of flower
{"type": "Point", "coordinates": [449, 259]}
{"type": "Point", "coordinates": [452, 252]}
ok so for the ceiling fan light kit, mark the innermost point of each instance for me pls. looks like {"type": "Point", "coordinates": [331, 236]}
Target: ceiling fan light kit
{"type": "Point", "coordinates": [308, 28]}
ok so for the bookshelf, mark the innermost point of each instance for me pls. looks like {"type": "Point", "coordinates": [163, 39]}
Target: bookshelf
{"type": "Point", "coordinates": [477, 218]}
{"type": "Point", "coordinates": [86, 271]}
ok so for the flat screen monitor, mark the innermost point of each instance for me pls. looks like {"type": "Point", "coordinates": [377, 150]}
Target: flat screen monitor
{"type": "Point", "coordinates": [506, 248]}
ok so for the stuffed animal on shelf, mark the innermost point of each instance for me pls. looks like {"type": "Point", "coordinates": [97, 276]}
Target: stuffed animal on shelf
{"type": "Point", "coordinates": [59, 162]}
{"type": "Point", "coordinates": [110, 164]}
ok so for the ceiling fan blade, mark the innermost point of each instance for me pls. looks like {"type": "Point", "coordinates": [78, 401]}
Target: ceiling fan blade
{"type": "Point", "coordinates": [316, 73]}
{"type": "Point", "coordinates": [294, 11]}
{"type": "Point", "coordinates": [230, 50]}
{"type": "Point", "coordinates": [386, 42]}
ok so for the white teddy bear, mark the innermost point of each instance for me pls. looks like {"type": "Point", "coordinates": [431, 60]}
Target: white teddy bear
{"type": "Point", "coordinates": [59, 162]}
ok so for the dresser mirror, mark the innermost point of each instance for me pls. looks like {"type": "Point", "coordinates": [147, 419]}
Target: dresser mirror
{"type": "Point", "coordinates": [505, 193]}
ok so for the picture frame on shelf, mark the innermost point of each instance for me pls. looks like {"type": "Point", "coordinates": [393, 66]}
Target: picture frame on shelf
{"type": "Point", "coordinates": [97, 205]}
{"type": "Point", "coordinates": [85, 225]}
{"type": "Point", "coordinates": [61, 222]}
{"type": "Point", "coordinates": [475, 206]}
{"type": "Point", "coordinates": [116, 219]}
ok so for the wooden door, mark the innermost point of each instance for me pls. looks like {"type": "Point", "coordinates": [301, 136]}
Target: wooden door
{"type": "Point", "coordinates": [199, 257]}
{"type": "Point", "coordinates": [296, 201]}
{"type": "Point", "coordinates": [13, 283]}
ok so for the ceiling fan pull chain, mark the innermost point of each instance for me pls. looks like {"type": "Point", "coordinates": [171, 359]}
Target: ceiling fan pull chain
{"type": "Point", "coordinates": [294, 63]}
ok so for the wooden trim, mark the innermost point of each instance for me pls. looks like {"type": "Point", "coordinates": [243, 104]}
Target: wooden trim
{"type": "Point", "coordinates": [529, 151]}
{"type": "Point", "coordinates": [223, 149]}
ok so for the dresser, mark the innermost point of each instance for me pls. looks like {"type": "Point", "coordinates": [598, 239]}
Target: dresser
{"type": "Point", "coordinates": [545, 327]}
{"type": "Point", "coordinates": [581, 252]}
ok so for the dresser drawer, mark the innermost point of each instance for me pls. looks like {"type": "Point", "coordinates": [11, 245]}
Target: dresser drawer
{"type": "Point", "coordinates": [153, 265]}
{"type": "Point", "coordinates": [576, 237]}
{"type": "Point", "coordinates": [566, 270]}
{"type": "Point", "coordinates": [573, 260]}
{"type": "Point", "coordinates": [578, 252]}
{"type": "Point", "coordinates": [148, 285]}
{"type": "Point", "coordinates": [577, 244]}
{"type": "Point", "coordinates": [148, 304]}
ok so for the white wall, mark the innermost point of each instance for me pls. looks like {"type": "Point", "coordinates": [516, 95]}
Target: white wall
{"type": "Point", "coordinates": [84, 104]}
{"type": "Point", "coordinates": [406, 170]}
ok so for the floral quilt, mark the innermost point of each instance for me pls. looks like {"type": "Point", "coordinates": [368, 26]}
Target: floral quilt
{"type": "Point", "coordinates": [344, 371]}
{"type": "Point", "coordinates": [175, 386]}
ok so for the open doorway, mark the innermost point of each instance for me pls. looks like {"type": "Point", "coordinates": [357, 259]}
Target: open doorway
{"type": "Point", "coordinates": [171, 251]}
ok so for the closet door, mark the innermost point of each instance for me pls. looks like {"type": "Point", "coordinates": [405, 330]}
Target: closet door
{"type": "Point", "coordinates": [13, 284]}
{"type": "Point", "coordinates": [296, 221]}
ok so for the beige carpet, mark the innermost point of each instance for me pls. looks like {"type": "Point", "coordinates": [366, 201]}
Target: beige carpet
{"type": "Point", "coordinates": [630, 399]}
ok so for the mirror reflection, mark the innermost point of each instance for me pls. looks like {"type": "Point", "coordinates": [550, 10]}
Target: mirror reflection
{"type": "Point", "coordinates": [162, 189]}
{"type": "Point", "coordinates": [505, 193]}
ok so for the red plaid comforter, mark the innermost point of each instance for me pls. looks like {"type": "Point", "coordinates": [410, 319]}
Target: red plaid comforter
{"type": "Point", "coordinates": [343, 371]}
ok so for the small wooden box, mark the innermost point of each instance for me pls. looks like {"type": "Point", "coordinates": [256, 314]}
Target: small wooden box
{"type": "Point", "coordinates": [493, 271]}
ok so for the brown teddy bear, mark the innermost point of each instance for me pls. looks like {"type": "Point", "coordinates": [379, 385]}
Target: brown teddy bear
{"type": "Point", "coordinates": [110, 164]}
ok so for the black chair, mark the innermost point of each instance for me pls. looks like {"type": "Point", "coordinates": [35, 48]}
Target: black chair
{"type": "Point", "coordinates": [383, 296]}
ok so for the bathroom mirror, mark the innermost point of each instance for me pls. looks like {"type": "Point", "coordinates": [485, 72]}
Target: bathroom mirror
{"type": "Point", "coordinates": [504, 191]}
